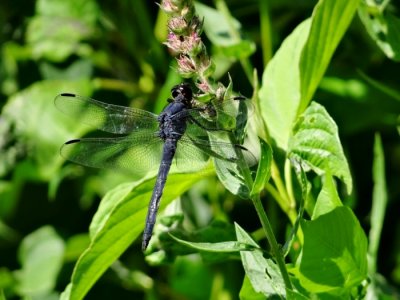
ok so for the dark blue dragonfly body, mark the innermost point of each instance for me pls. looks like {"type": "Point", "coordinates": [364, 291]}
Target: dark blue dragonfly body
{"type": "Point", "coordinates": [177, 137]}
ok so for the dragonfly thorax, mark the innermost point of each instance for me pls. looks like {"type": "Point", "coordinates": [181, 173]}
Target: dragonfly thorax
{"type": "Point", "coordinates": [173, 121]}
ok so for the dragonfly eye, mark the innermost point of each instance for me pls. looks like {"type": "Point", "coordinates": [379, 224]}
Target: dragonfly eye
{"type": "Point", "coordinates": [183, 89]}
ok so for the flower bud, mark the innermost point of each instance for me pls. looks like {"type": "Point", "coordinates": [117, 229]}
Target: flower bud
{"type": "Point", "coordinates": [178, 25]}
{"type": "Point", "coordinates": [186, 66]}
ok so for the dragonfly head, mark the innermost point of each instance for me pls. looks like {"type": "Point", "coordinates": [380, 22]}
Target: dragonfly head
{"type": "Point", "coordinates": [183, 93]}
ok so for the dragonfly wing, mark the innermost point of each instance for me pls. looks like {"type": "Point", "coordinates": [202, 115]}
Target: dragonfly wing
{"type": "Point", "coordinates": [106, 117]}
{"type": "Point", "coordinates": [193, 152]}
{"type": "Point", "coordinates": [138, 153]}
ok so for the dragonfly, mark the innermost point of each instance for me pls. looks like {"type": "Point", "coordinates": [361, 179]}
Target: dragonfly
{"type": "Point", "coordinates": [177, 137]}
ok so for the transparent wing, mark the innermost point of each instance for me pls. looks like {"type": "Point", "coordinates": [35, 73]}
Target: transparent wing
{"type": "Point", "coordinates": [137, 153]}
{"type": "Point", "coordinates": [106, 117]}
{"type": "Point", "coordinates": [141, 154]}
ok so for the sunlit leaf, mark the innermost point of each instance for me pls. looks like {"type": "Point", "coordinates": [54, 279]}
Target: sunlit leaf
{"type": "Point", "coordinates": [293, 74]}
{"type": "Point", "coordinates": [247, 291]}
{"type": "Point", "coordinates": [316, 143]}
{"type": "Point", "coordinates": [113, 231]}
{"type": "Point", "coordinates": [264, 168]}
{"type": "Point", "coordinates": [330, 21]}
{"type": "Point", "coordinates": [328, 199]}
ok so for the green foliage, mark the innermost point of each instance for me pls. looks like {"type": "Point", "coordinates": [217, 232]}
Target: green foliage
{"type": "Point", "coordinates": [324, 130]}
{"type": "Point", "coordinates": [315, 142]}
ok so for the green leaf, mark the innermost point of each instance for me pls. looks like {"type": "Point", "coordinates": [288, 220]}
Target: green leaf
{"type": "Point", "coordinates": [263, 273]}
{"type": "Point", "coordinates": [41, 256]}
{"type": "Point", "coordinates": [40, 126]}
{"type": "Point", "coordinates": [113, 231]}
{"type": "Point", "coordinates": [264, 168]}
{"type": "Point", "coordinates": [330, 20]}
{"type": "Point", "coordinates": [293, 74]}
{"type": "Point", "coordinates": [382, 26]}
{"type": "Point", "coordinates": [316, 143]}
{"type": "Point", "coordinates": [220, 29]}
{"type": "Point", "coordinates": [294, 295]}
{"type": "Point", "coordinates": [379, 203]}
{"type": "Point", "coordinates": [279, 94]}
{"type": "Point", "coordinates": [221, 247]}
{"type": "Point", "coordinates": [58, 28]}
{"type": "Point", "coordinates": [334, 255]}
{"type": "Point", "coordinates": [239, 50]}
{"type": "Point", "coordinates": [247, 291]}
{"type": "Point", "coordinates": [328, 199]}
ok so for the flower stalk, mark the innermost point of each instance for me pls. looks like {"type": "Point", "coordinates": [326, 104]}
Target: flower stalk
{"type": "Point", "coordinates": [184, 41]}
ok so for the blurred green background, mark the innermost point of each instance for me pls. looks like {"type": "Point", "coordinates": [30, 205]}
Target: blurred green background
{"type": "Point", "coordinates": [113, 51]}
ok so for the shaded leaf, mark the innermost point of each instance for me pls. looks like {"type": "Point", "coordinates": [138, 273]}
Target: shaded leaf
{"type": "Point", "coordinates": [57, 29]}
{"type": "Point", "coordinates": [218, 28]}
{"type": "Point", "coordinates": [224, 247]}
{"type": "Point", "coordinates": [263, 273]}
{"type": "Point", "coordinates": [39, 125]}
{"type": "Point", "coordinates": [302, 179]}
{"type": "Point", "coordinates": [334, 256]}
{"type": "Point", "coordinates": [382, 26]}
{"type": "Point", "coordinates": [41, 255]}
{"type": "Point", "coordinates": [379, 203]}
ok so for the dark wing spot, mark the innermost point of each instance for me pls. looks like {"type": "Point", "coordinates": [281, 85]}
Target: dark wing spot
{"type": "Point", "coordinates": [73, 141]}
{"type": "Point", "coordinates": [67, 95]}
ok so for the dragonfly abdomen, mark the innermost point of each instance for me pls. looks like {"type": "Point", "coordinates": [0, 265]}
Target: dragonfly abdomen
{"type": "Point", "coordinates": [169, 150]}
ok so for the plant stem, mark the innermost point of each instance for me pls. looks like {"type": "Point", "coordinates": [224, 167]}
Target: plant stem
{"type": "Point", "coordinates": [264, 220]}
{"type": "Point", "coordinates": [266, 36]}
{"type": "Point", "coordinates": [271, 240]}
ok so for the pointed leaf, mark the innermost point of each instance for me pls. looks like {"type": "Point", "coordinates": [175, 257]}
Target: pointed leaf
{"type": "Point", "coordinates": [379, 203]}
{"type": "Point", "coordinates": [224, 247]}
{"type": "Point", "coordinates": [264, 168]}
{"type": "Point", "coordinates": [292, 76]}
{"type": "Point", "coordinates": [328, 199]}
{"type": "Point", "coordinates": [330, 20]}
{"type": "Point", "coordinates": [279, 94]}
